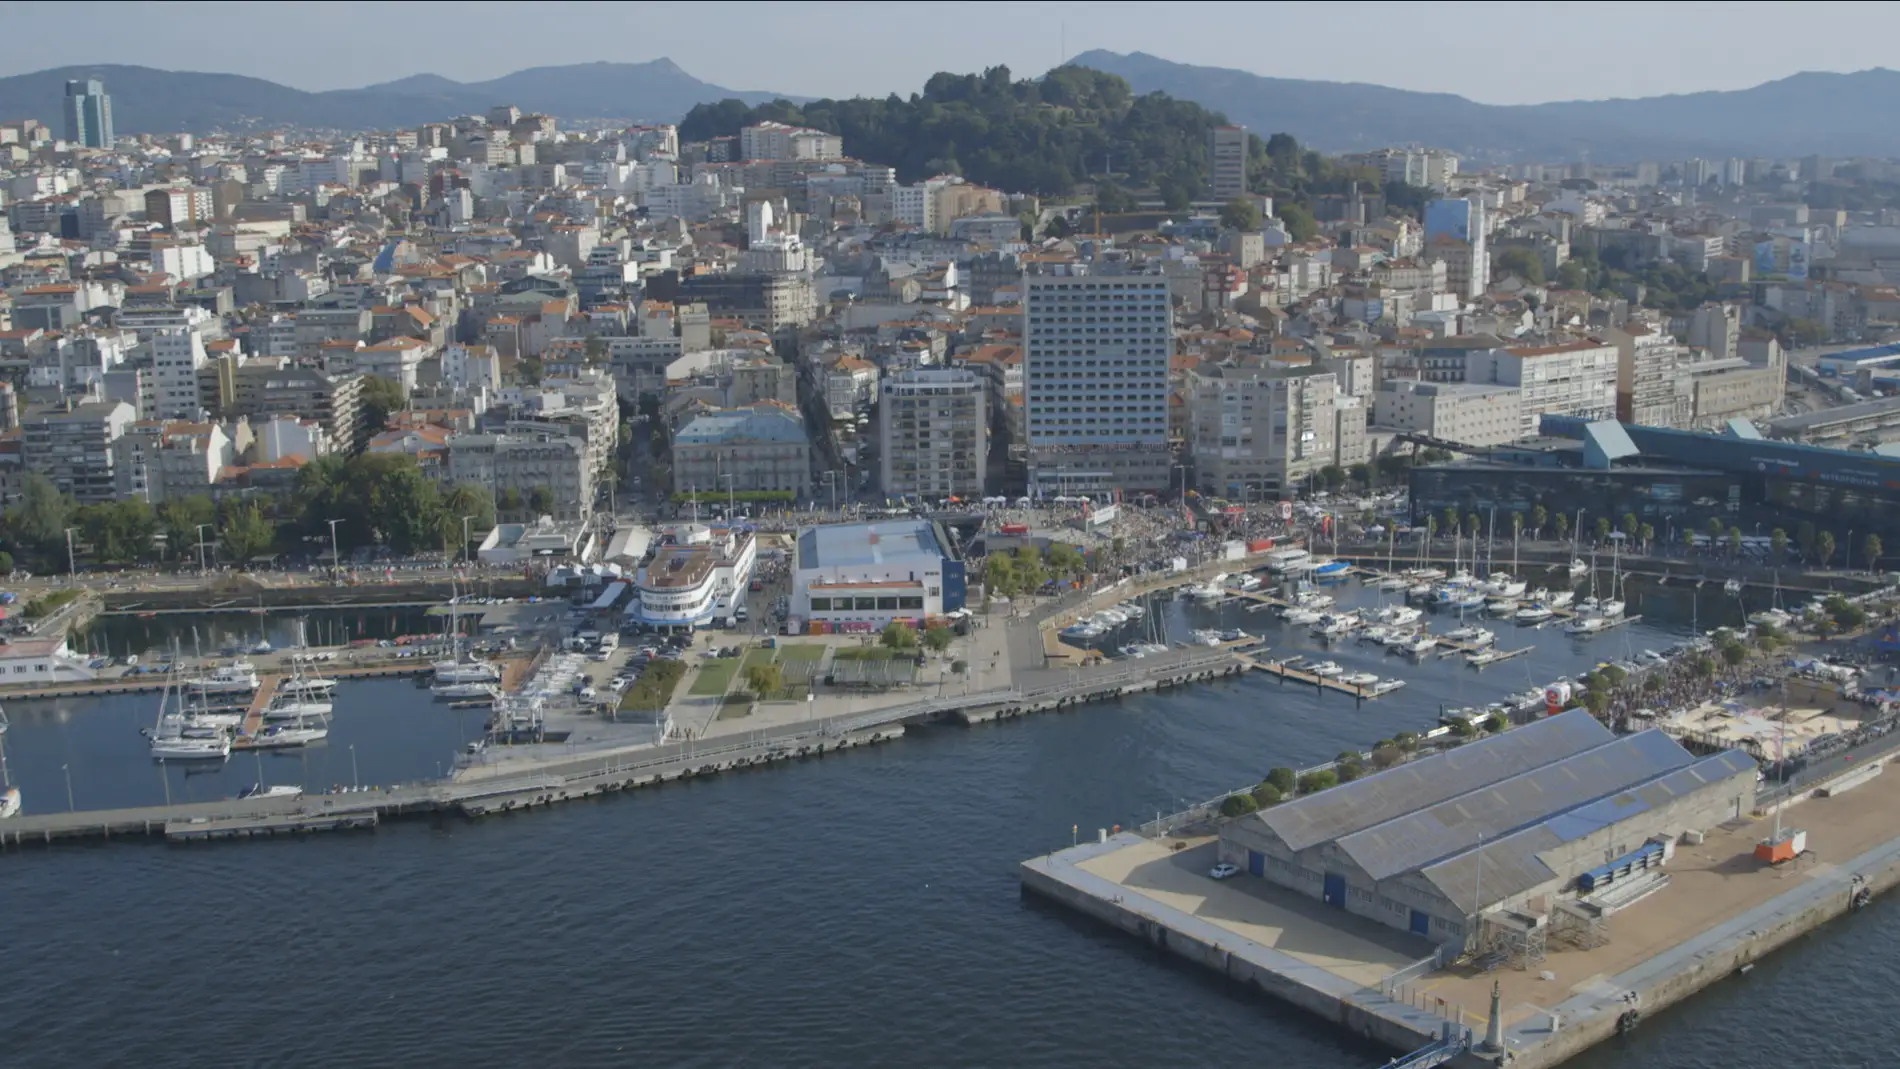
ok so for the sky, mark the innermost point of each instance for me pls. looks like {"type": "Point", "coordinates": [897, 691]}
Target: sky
{"type": "Point", "coordinates": [1494, 53]}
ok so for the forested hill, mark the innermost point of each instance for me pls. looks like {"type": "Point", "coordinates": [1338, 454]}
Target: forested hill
{"type": "Point", "coordinates": [1048, 136]}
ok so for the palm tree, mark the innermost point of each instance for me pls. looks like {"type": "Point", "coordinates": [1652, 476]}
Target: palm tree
{"type": "Point", "coordinates": [1539, 516]}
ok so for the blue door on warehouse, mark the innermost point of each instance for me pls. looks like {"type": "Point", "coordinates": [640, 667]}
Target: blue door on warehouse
{"type": "Point", "coordinates": [1421, 922]}
{"type": "Point", "coordinates": [1256, 863]}
{"type": "Point", "coordinates": [1335, 890]}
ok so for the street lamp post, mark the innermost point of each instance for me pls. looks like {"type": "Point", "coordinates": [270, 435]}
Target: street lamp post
{"type": "Point", "coordinates": [729, 496]}
{"type": "Point", "coordinates": [466, 557]}
{"type": "Point", "coordinates": [202, 565]}
{"type": "Point", "coordinates": [336, 557]}
{"type": "Point", "coordinates": [1182, 468]}
{"type": "Point", "coordinates": [67, 769]}
{"type": "Point", "coordinates": [355, 781]}
{"type": "Point", "coordinates": [72, 570]}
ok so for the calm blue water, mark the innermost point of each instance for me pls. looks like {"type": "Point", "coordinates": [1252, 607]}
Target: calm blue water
{"type": "Point", "coordinates": [860, 910]}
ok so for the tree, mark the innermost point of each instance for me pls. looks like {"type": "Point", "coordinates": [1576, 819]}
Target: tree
{"type": "Point", "coordinates": [1472, 521]}
{"type": "Point", "coordinates": [1349, 771]}
{"type": "Point", "coordinates": [594, 348]}
{"type": "Point", "coordinates": [179, 519]}
{"type": "Point", "coordinates": [1734, 653]}
{"type": "Point", "coordinates": [1406, 741]}
{"type": "Point", "coordinates": [1824, 547]}
{"type": "Point", "coordinates": [1112, 199]}
{"type": "Point", "coordinates": [1630, 525]}
{"type": "Point", "coordinates": [898, 636]}
{"type": "Point", "coordinates": [1735, 541]}
{"type": "Point", "coordinates": [1297, 219]}
{"type": "Point", "coordinates": [1704, 666]}
{"type": "Point", "coordinates": [937, 638]}
{"type": "Point", "coordinates": [1496, 723]}
{"type": "Point", "coordinates": [380, 397]}
{"type": "Point", "coordinates": [1870, 550]}
{"type": "Point", "coordinates": [1238, 805]}
{"type": "Point", "coordinates": [1266, 795]}
{"type": "Point", "coordinates": [541, 501]}
{"type": "Point", "coordinates": [246, 533]}
{"type": "Point", "coordinates": [1524, 263]}
{"type": "Point", "coordinates": [1715, 528]}
{"type": "Point", "coordinates": [1778, 542]}
{"type": "Point", "coordinates": [40, 517]}
{"type": "Point", "coordinates": [764, 679]}
{"type": "Point", "coordinates": [1318, 781]}
{"type": "Point", "coordinates": [475, 502]}
{"type": "Point", "coordinates": [1539, 517]}
{"type": "Point", "coordinates": [1562, 526]}
{"type": "Point", "coordinates": [1240, 214]}
{"type": "Point", "coordinates": [1386, 755]}
{"type": "Point", "coordinates": [1596, 701]}
{"type": "Point", "coordinates": [1603, 529]}
{"type": "Point", "coordinates": [1451, 518]}
{"type": "Point", "coordinates": [119, 531]}
{"type": "Point", "coordinates": [1281, 778]}
{"type": "Point", "coordinates": [509, 503]}
{"type": "Point", "coordinates": [1065, 560]}
{"type": "Point", "coordinates": [1029, 569]}
{"type": "Point", "coordinates": [1646, 534]}
{"type": "Point", "coordinates": [1176, 195]}
{"type": "Point", "coordinates": [1804, 537]}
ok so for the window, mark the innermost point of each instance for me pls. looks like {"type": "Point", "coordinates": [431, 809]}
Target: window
{"type": "Point", "coordinates": [866, 605]}
{"type": "Point", "coordinates": [821, 604]}
{"type": "Point", "coordinates": [911, 602]}
{"type": "Point", "coordinates": [887, 604]}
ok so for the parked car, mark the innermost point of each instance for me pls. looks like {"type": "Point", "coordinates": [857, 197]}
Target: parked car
{"type": "Point", "coordinates": [1224, 870]}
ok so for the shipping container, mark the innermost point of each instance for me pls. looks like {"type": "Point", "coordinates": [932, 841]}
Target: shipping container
{"type": "Point", "coordinates": [1260, 545]}
{"type": "Point", "coordinates": [1233, 550]}
{"type": "Point", "coordinates": [1015, 528]}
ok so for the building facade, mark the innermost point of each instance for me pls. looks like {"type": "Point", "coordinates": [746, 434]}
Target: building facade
{"type": "Point", "coordinates": [1257, 432]}
{"type": "Point", "coordinates": [88, 114]}
{"type": "Point", "coordinates": [1570, 379]}
{"type": "Point", "coordinates": [75, 449]}
{"type": "Point", "coordinates": [1227, 162]}
{"type": "Point", "coordinates": [1095, 399]}
{"type": "Point", "coordinates": [933, 439]}
{"type": "Point", "coordinates": [1457, 412]}
{"type": "Point", "coordinates": [743, 450]}
{"type": "Point", "coordinates": [862, 576]}
{"type": "Point", "coordinates": [523, 464]}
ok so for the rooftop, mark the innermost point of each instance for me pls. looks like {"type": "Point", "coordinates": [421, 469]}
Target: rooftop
{"type": "Point", "coordinates": [853, 545]}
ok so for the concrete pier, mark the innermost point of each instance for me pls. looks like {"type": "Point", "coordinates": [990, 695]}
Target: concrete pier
{"type": "Point", "coordinates": [1720, 911]}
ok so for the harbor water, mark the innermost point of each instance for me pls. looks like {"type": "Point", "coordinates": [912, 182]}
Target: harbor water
{"type": "Point", "coordinates": [859, 910]}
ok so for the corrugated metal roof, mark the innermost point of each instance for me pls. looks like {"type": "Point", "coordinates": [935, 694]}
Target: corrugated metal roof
{"type": "Point", "coordinates": [1415, 785]}
{"type": "Point", "coordinates": [1495, 810]}
{"type": "Point", "coordinates": [1511, 865]}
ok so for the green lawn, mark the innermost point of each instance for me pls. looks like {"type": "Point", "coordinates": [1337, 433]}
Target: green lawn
{"type": "Point", "coordinates": [802, 651]}
{"type": "Point", "coordinates": [870, 653]}
{"type": "Point", "coordinates": [754, 658]}
{"type": "Point", "coordinates": [734, 706]}
{"type": "Point", "coordinates": [715, 677]}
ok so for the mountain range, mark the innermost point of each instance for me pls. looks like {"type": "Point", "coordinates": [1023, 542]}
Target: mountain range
{"type": "Point", "coordinates": [1825, 113]}
{"type": "Point", "coordinates": [146, 100]}
{"type": "Point", "coordinates": [1829, 114]}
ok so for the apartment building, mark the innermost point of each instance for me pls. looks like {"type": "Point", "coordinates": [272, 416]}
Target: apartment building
{"type": "Point", "coordinates": [74, 449]}
{"type": "Point", "coordinates": [1096, 350]}
{"type": "Point", "coordinates": [763, 447]}
{"type": "Point", "coordinates": [1572, 379]}
{"type": "Point", "coordinates": [780, 141]}
{"type": "Point", "coordinates": [333, 401]}
{"type": "Point", "coordinates": [172, 389]}
{"type": "Point", "coordinates": [933, 434]}
{"type": "Point", "coordinates": [1227, 162]}
{"type": "Point", "coordinates": [523, 463]}
{"type": "Point", "coordinates": [1652, 378]}
{"type": "Point", "coordinates": [1457, 412]}
{"type": "Point", "coordinates": [1260, 431]}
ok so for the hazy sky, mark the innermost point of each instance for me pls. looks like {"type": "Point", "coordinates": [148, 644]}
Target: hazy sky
{"type": "Point", "coordinates": [1496, 53]}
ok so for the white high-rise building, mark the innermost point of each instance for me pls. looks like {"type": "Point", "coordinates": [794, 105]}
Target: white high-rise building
{"type": "Point", "coordinates": [1097, 340]}
{"type": "Point", "coordinates": [176, 357]}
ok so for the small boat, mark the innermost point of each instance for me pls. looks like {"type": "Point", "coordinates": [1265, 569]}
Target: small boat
{"type": "Point", "coordinates": [1428, 575]}
{"type": "Point", "coordinates": [1234, 634]}
{"type": "Point", "coordinates": [180, 748]}
{"type": "Point", "coordinates": [1503, 585]}
{"type": "Point", "coordinates": [1205, 637]}
{"type": "Point", "coordinates": [9, 803]}
{"type": "Point", "coordinates": [1360, 679]}
{"type": "Point", "coordinates": [1561, 599]}
{"type": "Point", "coordinates": [1578, 568]}
{"type": "Point", "coordinates": [1326, 669]}
{"type": "Point", "coordinates": [1394, 582]}
{"type": "Point", "coordinates": [1483, 657]}
{"type": "Point", "coordinates": [1501, 606]}
{"type": "Point", "coordinates": [296, 709]}
{"type": "Point", "coordinates": [1330, 567]}
{"type": "Point", "coordinates": [466, 691]}
{"type": "Point", "coordinates": [1419, 591]}
{"type": "Point", "coordinates": [1310, 599]}
{"type": "Point", "coordinates": [259, 790]}
{"type": "Point", "coordinates": [1243, 582]}
{"type": "Point", "coordinates": [1109, 618]}
{"type": "Point", "coordinates": [1296, 615]}
{"type": "Point", "coordinates": [1399, 615]}
{"type": "Point", "coordinates": [1131, 610]}
{"type": "Point", "coordinates": [1423, 644]}
{"type": "Point", "coordinates": [1733, 586]}
{"type": "Point", "coordinates": [238, 677]}
{"type": "Point", "coordinates": [1329, 626]}
{"type": "Point", "coordinates": [1376, 633]}
{"type": "Point", "coordinates": [1612, 608]}
{"type": "Point", "coordinates": [306, 685]}
{"type": "Point", "coordinates": [1534, 614]}
{"type": "Point", "coordinates": [1464, 601]}
{"type": "Point", "coordinates": [1587, 625]}
{"type": "Point", "coordinates": [1212, 590]}
{"type": "Point", "coordinates": [1286, 560]}
{"type": "Point", "coordinates": [285, 736]}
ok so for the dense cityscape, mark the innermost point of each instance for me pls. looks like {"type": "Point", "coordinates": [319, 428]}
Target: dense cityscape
{"type": "Point", "coordinates": [1534, 514]}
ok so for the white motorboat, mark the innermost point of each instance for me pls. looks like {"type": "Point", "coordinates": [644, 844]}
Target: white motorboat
{"type": "Point", "coordinates": [238, 677]}
{"type": "Point", "coordinates": [466, 691]}
{"type": "Point", "coordinates": [1109, 618]}
{"type": "Point", "coordinates": [1243, 581]}
{"type": "Point", "coordinates": [1419, 591]}
{"type": "Point", "coordinates": [1376, 633]}
{"type": "Point", "coordinates": [180, 748]}
{"type": "Point", "coordinates": [1296, 615]}
{"type": "Point", "coordinates": [1333, 625]}
{"type": "Point", "coordinates": [1483, 657]}
{"type": "Point", "coordinates": [1503, 585]}
{"type": "Point", "coordinates": [1360, 679]}
{"type": "Point", "coordinates": [1287, 560]}
{"type": "Point", "coordinates": [285, 736]}
{"type": "Point", "coordinates": [1326, 669]}
{"type": "Point", "coordinates": [1399, 615]}
{"type": "Point", "coordinates": [1386, 686]}
{"type": "Point", "coordinates": [1212, 590]}
{"type": "Point", "coordinates": [1733, 586]}
{"type": "Point", "coordinates": [1578, 568]}
{"type": "Point", "coordinates": [1394, 582]}
{"type": "Point", "coordinates": [1313, 599]}
{"type": "Point", "coordinates": [1131, 610]}
{"type": "Point", "coordinates": [1587, 625]}
{"type": "Point", "coordinates": [1561, 599]}
{"type": "Point", "coordinates": [296, 709]}
{"type": "Point", "coordinates": [1611, 608]}
{"type": "Point", "coordinates": [1427, 575]}
{"type": "Point", "coordinates": [310, 685]}
{"type": "Point", "coordinates": [1423, 644]}
{"type": "Point", "coordinates": [9, 803]}
{"type": "Point", "coordinates": [1205, 637]}
{"type": "Point", "coordinates": [1534, 614]}
{"type": "Point", "coordinates": [1771, 617]}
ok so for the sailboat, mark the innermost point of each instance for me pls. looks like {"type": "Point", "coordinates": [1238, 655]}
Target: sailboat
{"type": "Point", "coordinates": [460, 668]}
{"type": "Point", "coordinates": [9, 794]}
{"type": "Point", "coordinates": [175, 737]}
